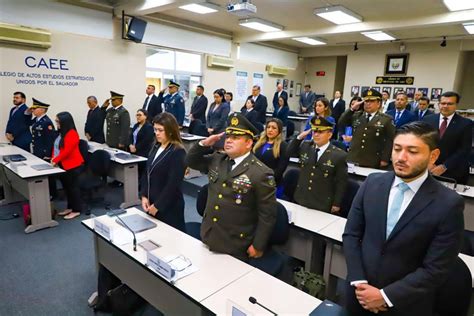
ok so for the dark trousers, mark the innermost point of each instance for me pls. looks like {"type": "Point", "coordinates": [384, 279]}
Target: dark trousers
{"type": "Point", "coordinates": [69, 180]}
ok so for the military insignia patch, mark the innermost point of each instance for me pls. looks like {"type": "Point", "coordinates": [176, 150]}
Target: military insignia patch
{"type": "Point", "coordinates": [234, 121]}
{"type": "Point", "coordinates": [271, 181]}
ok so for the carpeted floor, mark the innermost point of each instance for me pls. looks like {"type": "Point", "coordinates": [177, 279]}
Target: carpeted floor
{"type": "Point", "coordinates": [52, 272]}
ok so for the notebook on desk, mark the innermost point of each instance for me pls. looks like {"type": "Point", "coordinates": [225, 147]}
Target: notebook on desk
{"type": "Point", "coordinates": [328, 308]}
{"type": "Point", "coordinates": [13, 158]}
{"type": "Point", "coordinates": [136, 223]}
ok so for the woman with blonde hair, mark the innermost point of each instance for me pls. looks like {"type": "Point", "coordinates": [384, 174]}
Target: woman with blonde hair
{"type": "Point", "coordinates": [271, 149]}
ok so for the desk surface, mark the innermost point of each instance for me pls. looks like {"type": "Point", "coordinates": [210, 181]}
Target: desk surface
{"type": "Point", "coordinates": [276, 295]}
{"type": "Point", "coordinates": [24, 168]}
{"type": "Point", "coordinates": [334, 230]}
{"type": "Point", "coordinates": [191, 137]}
{"type": "Point", "coordinates": [93, 146]}
{"type": "Point", "coordinates": [308, 219]}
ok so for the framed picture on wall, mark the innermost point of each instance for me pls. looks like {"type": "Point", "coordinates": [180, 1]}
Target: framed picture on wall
{"type": "Point", "coordinates": [292, 84]}
{"type": "Point", "coordinates": [388, 89]}
{"type": "Point", "coordinates": [376, 88]}
{"type": "Point", "coordinates": [298, 89]}
{"type": "Point", "coordinates": [411, 92]}
{"type": "Point", "coordinates": [354, 91]}
{"type": "Point", "coordinates": [363, 89]}
{"type": "Point", "coordinates": [436, 93]}
{"type": "Point", "coordinates": [285, 84]}
{"type": "Point", "coordinates": [424, 91]}
{"type": "Point", "coordinates": [396, 90]}
{"type": "Point", "coordinates": [396, 64]}
{"type": "Point", "coordinates": [291, 93]}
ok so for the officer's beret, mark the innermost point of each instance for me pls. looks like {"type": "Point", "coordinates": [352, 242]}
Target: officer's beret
{"type": "Point", "coordinates": [238, 124]}
{"type": "Point", "coordinates": [371, 94]}
{"type": "Point", "coordinates": [319, 123]}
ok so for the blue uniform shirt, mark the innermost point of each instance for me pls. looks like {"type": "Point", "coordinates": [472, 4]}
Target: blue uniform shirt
{"type": "Point", "coordinates": [174, 104]}
{"type": "Point", "coordinates": [43, 135]}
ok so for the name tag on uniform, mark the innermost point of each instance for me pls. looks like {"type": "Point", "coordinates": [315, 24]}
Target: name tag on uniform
{"type": "Point", "coordinates": [350, 167]}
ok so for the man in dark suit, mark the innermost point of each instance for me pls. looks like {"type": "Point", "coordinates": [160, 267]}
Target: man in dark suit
{"type": "Point", "coordinates": [416, 100]}
{"type": "Point", "coordinates": [241, 205]}
{"type": "Point", "coordinates": [261, 103]}
{"type": "Point", "coordinates": [279, 93]}
{"type": "Point", "coordinates": [152, 102]}
{"type": "Point", "coordinates": [422, 108]}
{"type": "Point", "coordinates": [403, 233]}
{"type": "Point", "coordinates": [18, 125]}
{"type": "Point", "coordinates": [94, 128]}
{"type": "Point", "coordinates": [338, 106]}
{"type": "Point", "coordinates": [307, 99]}
{"type": "Point", "coordinates": [199, 106]}
{"type": "Point", "coordinates": [456, 139]}
{"type": "Point", "coordinates": [400, 114]}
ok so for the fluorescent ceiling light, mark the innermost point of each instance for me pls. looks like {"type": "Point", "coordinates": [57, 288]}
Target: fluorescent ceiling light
{"type": "Point", "coordinates": [456, 5]}
{"type": "Point", "coordinates": [309, 40]}
{"type": "Point", "coordinates": [201, 8]}
{"type": "Point", "coordinates": [338, 15]}
{"type": "Point", "coordinates": [260, 25]}
{"type": "Point", "coordinates": [469, 27]}
{"type": "Point", "coordinates": [378, 36]}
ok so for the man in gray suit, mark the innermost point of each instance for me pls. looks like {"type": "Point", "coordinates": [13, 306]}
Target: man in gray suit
{"type": "Point", "coordinates": [307, 100]}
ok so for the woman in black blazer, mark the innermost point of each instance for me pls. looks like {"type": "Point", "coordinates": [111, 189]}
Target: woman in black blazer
{"type": "Point", "coordinates": [141, 138]}
{"type": "Point", "coordinates": [249, 112]}
{"type": "Point", "coordinates": [271, 149]}
{"type": "Point", "coordinates": [161, 192]}
{"type": "Point", "coordinates": [281, 112]}
{"type": "Point", "coordinates": [217, 114]}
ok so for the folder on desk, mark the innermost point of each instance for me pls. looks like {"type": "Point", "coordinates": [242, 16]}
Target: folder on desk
{"type": "Point", "coordinates": [328, 308]}
{"type": "Point", "coordinates": [136, 223]}
{"type": "Point", "coordinates": [13, 158]}
{"type": "Point", "coordinates": [43, 166]}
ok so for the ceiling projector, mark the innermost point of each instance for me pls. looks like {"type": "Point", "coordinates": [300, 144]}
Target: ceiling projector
{"type": "Point", "coordinates": [243, 8]}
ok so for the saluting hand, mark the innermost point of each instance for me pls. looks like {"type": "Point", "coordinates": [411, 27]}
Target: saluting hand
{"type": "Point", "coordinates": [211, 140]}
{"type": "Point", "coordinates": [335, 209]}
{"type": "Point", "coordinates": [106, 103]}
{"type": "Point", "coordinates": [303, 135]}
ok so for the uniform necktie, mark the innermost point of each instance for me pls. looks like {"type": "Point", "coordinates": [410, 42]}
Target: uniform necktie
{"type": "Point", "coordinates": [444, 125]}
{"type": "Point", "coordinates": [368, 117]}
{"type": "Point", "coordinates": [397, 116]}
{"type": "Point", "coordinates": [316, 152]}
{"type": "Point", "coordinates": [230, 163]}
{"type": "Point", "coordinates": [394, 211]}
{"type": "Point", "coordinates": [146, 103]}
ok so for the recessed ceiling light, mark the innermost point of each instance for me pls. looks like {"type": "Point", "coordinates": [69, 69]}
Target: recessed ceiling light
{"type": "Point", "coordinates": [310, 40]}
{"type": "Point", "coordinates": [378, 36]}
{"type": "Point", "coordinates": [338, 15]}
{"type": "Point", "coordinates": [201, 8]}
{"type": "Point", "coordinates": [457, 5]}
{"type": "Point", "coordinates": [469, 27]}
{"type": "Point", "coordinates": [260, 25]}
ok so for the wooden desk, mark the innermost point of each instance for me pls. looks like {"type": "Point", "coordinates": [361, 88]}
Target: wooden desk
{"type": "Point", "coordinates": [20, 181]}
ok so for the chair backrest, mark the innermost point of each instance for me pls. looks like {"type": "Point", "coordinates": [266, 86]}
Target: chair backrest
{"type": "Point", "coordinates": [259, 126]}
{"type": "Point", "coordinates": [454, 296]}
{"type": "Point", "coordinates": [351, 190]}
{"type": "Point", "coordinates": [199, 128]}
{"type": "Point", "coordinates": [292, 113]}
{"type": "Point", "coordinates": [281, 230]}
{"type": "Point", "coordinates": [290, 128]}
{"type": "Point", "coordinates": [202, 200]}
{"type": "Point", "coordinates": [99, 163]}
{"type": "Point", "coordinates": [84, 149]}
{"type": "Point", "coordinates": [467, 247]}
{"type": "Point", "coordinates": [290, 181]}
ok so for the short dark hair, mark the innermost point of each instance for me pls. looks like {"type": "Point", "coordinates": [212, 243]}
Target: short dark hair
{"type": "Point", "coordinates": [425, 99]}
{"type": "Point", "coordinates": [200, 87]}
{"type": "Point", "coordinates": [427, 133]}
{"type": "Point", "coordinates": [144, 112]}
{"type": "Point", "coordinates": [307, 86]}
{"type": "Point", "coordinates": [152, 85]}
{"type": "Point", "coordinates": [20, 93]}
{"type": "Point", "coordinates": [450, 94]}
{"type": "Point", "coordinates": [220, 92]}
{"type": "Point", "coordinates": [385, 91]}
{"type": "Point", "coordinates": [92, 97]}
{"type": "Point", "coordinates": [402, 93]}
{"type": "Point", "coordinates": [231, 95]}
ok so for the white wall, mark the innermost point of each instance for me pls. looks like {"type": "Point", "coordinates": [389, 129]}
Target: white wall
{"type": "Point", "coordinates": [321, 84]}
{"type": "Point", "coordinates": [267, 55]}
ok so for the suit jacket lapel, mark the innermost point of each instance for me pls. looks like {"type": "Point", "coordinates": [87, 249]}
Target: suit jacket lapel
{"type": "Point", "coordinates": [452, 126]}
{"type": "Point", "coordinates": [382, 199]}
{"type": "Point", "coordinates": [420, 201]}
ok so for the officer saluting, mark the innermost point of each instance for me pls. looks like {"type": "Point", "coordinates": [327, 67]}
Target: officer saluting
{"type": "Point", "coordinates": [323, 177]}
{"type": "Point", "coordinates": [241, 205]}
{"type": "Point", "coordinates": [174, 102]}
{"type": "Point", "coordinates": [373, 132]}
{"type": "Point", "coordinates": [43, 132]}
{"type": "Point", "coordinates": [118, 122]}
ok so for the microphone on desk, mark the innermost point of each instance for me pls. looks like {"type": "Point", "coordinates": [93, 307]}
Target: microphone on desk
{"type": "Point", "coordinates": [253, 300]}
{"type": "Point", "coordinates": [133, 233]}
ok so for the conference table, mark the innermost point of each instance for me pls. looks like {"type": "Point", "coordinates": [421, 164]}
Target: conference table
{"type": "Point", "coordinates": [123, 170]}
{"type": "Point", "coordinates": [219, 282]}
{"type": "Point", "coordinates": [28, 180]}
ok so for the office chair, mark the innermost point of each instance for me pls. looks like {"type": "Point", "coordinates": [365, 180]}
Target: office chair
{"type": "Point", "coordinates": [273, 261]}
{"type": "Point", "coordinates": [193, 229]}
{"type": "Point", "coordinates": [84, 149]}
{"type": "Point", "coordinates": [95, 176]}
{"type": "Point", "coordinates": [290, 129]}
{"type": "Point", "coordinates": [454, 296]}
{"type": "Point", "coordinates": [290, 181]}
{"type": "Point", "coordinates": [292, 113]}
{"type": "Point", "coordinates": [351, 190]}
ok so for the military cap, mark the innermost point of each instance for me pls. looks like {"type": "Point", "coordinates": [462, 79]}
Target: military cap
{"type": "Point", "coordinates": [39, 104]}
{"type": "Point", "coordinates": [173, 84]}
{"type": "Point", "coordinates": [319, 123]}
{"type": "Point", "coordinates": [238, 124]}
{"type": "Point", "coordinates": [371, 94]}
{"type": "Point", "coordinates": [115, 95]}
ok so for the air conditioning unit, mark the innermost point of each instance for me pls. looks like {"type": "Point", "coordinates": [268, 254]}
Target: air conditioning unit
{"type": "Point", "coordinates": [25, 36]}
{"type": "Point", "coordinates": [276, 70]}
{"type": "Point", "coordinates": [219, 61]}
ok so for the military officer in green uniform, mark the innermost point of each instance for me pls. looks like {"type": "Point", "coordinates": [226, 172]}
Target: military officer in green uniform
{"type": "Point", "coordinates": [372, 133]}
{"type": "Point", "coordinates": [118, 122]}
{"type": "Point", "coordinates": [241, 205]}
{"type": "Point", "coordinates": [323, 177]}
